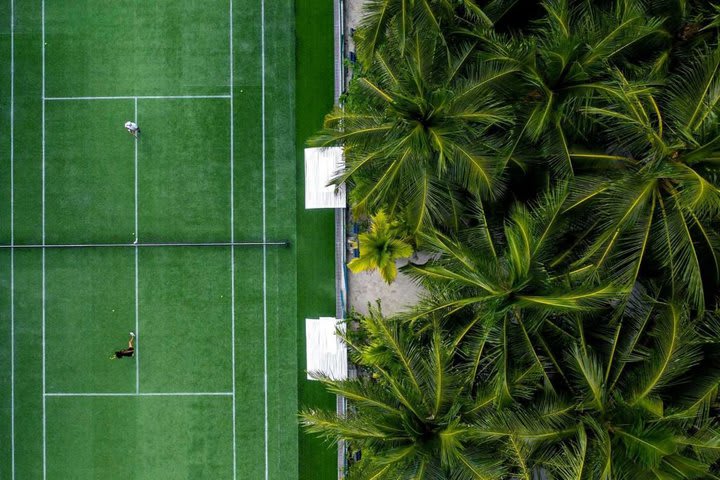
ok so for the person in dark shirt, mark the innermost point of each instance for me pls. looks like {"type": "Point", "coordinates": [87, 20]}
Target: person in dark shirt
{"type": "Point", "coordinates": [128, 352]}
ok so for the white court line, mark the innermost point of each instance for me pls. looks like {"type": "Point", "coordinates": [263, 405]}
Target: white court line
{"type": "Point", "coordinates": [19, 246]}
{"type": "Point", "coordinates": [12, 237]}
{"type": "Point", "coordinates": [44, 409]}
{"type": "Point", "coordinates": [265, 354]}
{"type": "Point", "coordinates": [145, 394]}
{"type": "Point", "coordinates": [232, 240]}
{"type": "Point", "coordinates": [145, 97]}
{"type": "Point", "coordinates": [137, 274]}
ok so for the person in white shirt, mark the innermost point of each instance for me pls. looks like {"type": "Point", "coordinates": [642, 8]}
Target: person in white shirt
{"type": "Point", "coordinates": [132, 128]}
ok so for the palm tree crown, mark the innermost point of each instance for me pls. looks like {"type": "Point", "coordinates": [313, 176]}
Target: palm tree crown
{"type": "Point", "coordinates": [662, 195]}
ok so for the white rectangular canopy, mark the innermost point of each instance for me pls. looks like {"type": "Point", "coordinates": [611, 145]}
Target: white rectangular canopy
{"type": "Point", "coordinates": [321, 165]}
{"type": "Point", "coordinates": [325, 352]}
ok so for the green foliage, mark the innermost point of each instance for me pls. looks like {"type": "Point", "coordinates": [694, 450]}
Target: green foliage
{"type": "Point", "coordinates": [664, 199]}
{"type": "Point", "coordinates": [416, 415]}
{"type": "Point", "coordinates": [380, 247]}
{"type": "Point", "coordinates": [561, 160]}
{"type": "Point", "coordinates": [425, 126]}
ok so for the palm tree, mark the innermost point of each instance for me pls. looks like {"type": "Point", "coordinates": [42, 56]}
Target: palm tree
{"type": "Point", "coordinates": [640, 392]}
{"type": "Point", "coordinates": [658, 203]}
{"type": "Point", "coordinates": [559, 65]}
{"type": "Point", "coordinates": [380, 248]}
{"type": "Point", "coordinates": [570, 336]}
{"type": "Point", "coordinates": [414, 415]}
{"type": "Point", "coordinates": [418, 129]}
{"type": "Point", "coordinates": [688, 26]}
{"type": "Point", "coordinates": [436, 16]}
{"type": "Point", "coordinates": [503, 293]}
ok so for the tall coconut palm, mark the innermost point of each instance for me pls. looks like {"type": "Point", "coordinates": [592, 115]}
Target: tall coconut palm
{"type": "Point", "coordinates": [640, 392]}
{"type": "Point", "coordinates": [570, 337]}
{"type": "Point", "coordinates": [437, 16]}
{"type": "Point", "coordinates": [415, 416]}
{"type": "Point", "coordinates": [417, 130]}
{"type": "Point", "coordinates": [505, 293]}
{"type": "Point", "coordinates": [560, 64]}
{"type": "Point", "coordinates": [658, 203]}
{"type": "Point", "coordinates": [689, 25]}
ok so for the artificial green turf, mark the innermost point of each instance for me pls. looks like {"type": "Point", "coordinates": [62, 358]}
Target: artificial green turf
{"type": "Point", "coordinates": [185, 320]}
{"type": "Point", "coordinates": [28, 123]}
{"type": "Point", "coordinates": [5, 374]}
{"type": "Point", "coordinates": [28, 363]}
{"type": "Point", "coordinates": [89, 172]}
{"type": "Point", "coordinates": [153, 48]}
{"type": "Point", "coordinates": [133, 47]}
{"type": "Point", "coordinates": [5, 260]}
{"type": "Point", "coordinates": [139, 437]}
{"type": "Point", "coordinates": [90, 304]}
{"type": "Point", "coordinates": [249, 364]}
{"type": "Point", "coordinates": [27, 277]}
{"type": "Point", "coordinates": [184, 170]}
{"type": "Point", "coordinates": [247, 160]}
{"type": "Point", "coordinates": [316, 291]}
{"type": "Point", "coordinates": [281, 224]}
{"type": "Point", "coordinates": [5, 124]}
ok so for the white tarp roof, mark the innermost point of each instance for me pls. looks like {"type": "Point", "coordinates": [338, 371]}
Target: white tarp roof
{"type": "Point", "coordinates": [325, 351]}
{"type": "Point", "coordinates": [321, 165]}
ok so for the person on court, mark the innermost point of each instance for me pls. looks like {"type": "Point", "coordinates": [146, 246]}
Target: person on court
{"type": "Point", "coordinates": [132, 128]}
{"type": "Point", "coordinates": [128, 352]}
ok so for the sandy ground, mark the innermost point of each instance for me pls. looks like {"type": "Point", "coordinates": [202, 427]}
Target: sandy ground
{"type": "Point", "coordinates": [353, 14]}
{"type": "Point", "coordinates": [367, 287]}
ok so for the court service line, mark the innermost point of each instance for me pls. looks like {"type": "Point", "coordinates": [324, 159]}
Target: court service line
{"type": "Point", "coordinates": [12, 238]}
{"type": "Point", "coordinates": [138, 394]}
{"type": "Point", "coordinates": [232, 248]}
{"type": "Point", "coordinates": [142, 97]}
{"type": "Point", "coordinates": [137, 269]}
{"type": "Point", "coordinates": [264, 233]}
{"type": "Point", "coordinates": [44, 296]}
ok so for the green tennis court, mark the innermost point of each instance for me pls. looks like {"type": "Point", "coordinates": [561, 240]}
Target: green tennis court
{"type": "Point", "coordinates": [211, 392]}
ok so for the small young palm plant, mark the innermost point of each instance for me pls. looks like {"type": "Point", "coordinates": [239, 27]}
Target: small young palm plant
{"type": "Point", "coordinates": [641, 392]}
{"type": "Point", "coordinates": [381, 247]}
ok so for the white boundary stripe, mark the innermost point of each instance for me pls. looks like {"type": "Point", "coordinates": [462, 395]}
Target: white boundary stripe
{"type": "Point", "coordinates": [145, 394]}
{"type": "Point", "coordinates": [12, 238]}
{"type": "Point", "coordinates": [137, 269]}
{"type": "Point", "coordinates": [44, 410]}
{"type": "Point", "coordinates": [19, 246]}
{"type": "Point", "coordinates": [232, 248]}
{"type": "Point", "coordinates": [264, 234]}
{"type": "Point", "coordinates": [143, 97]}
